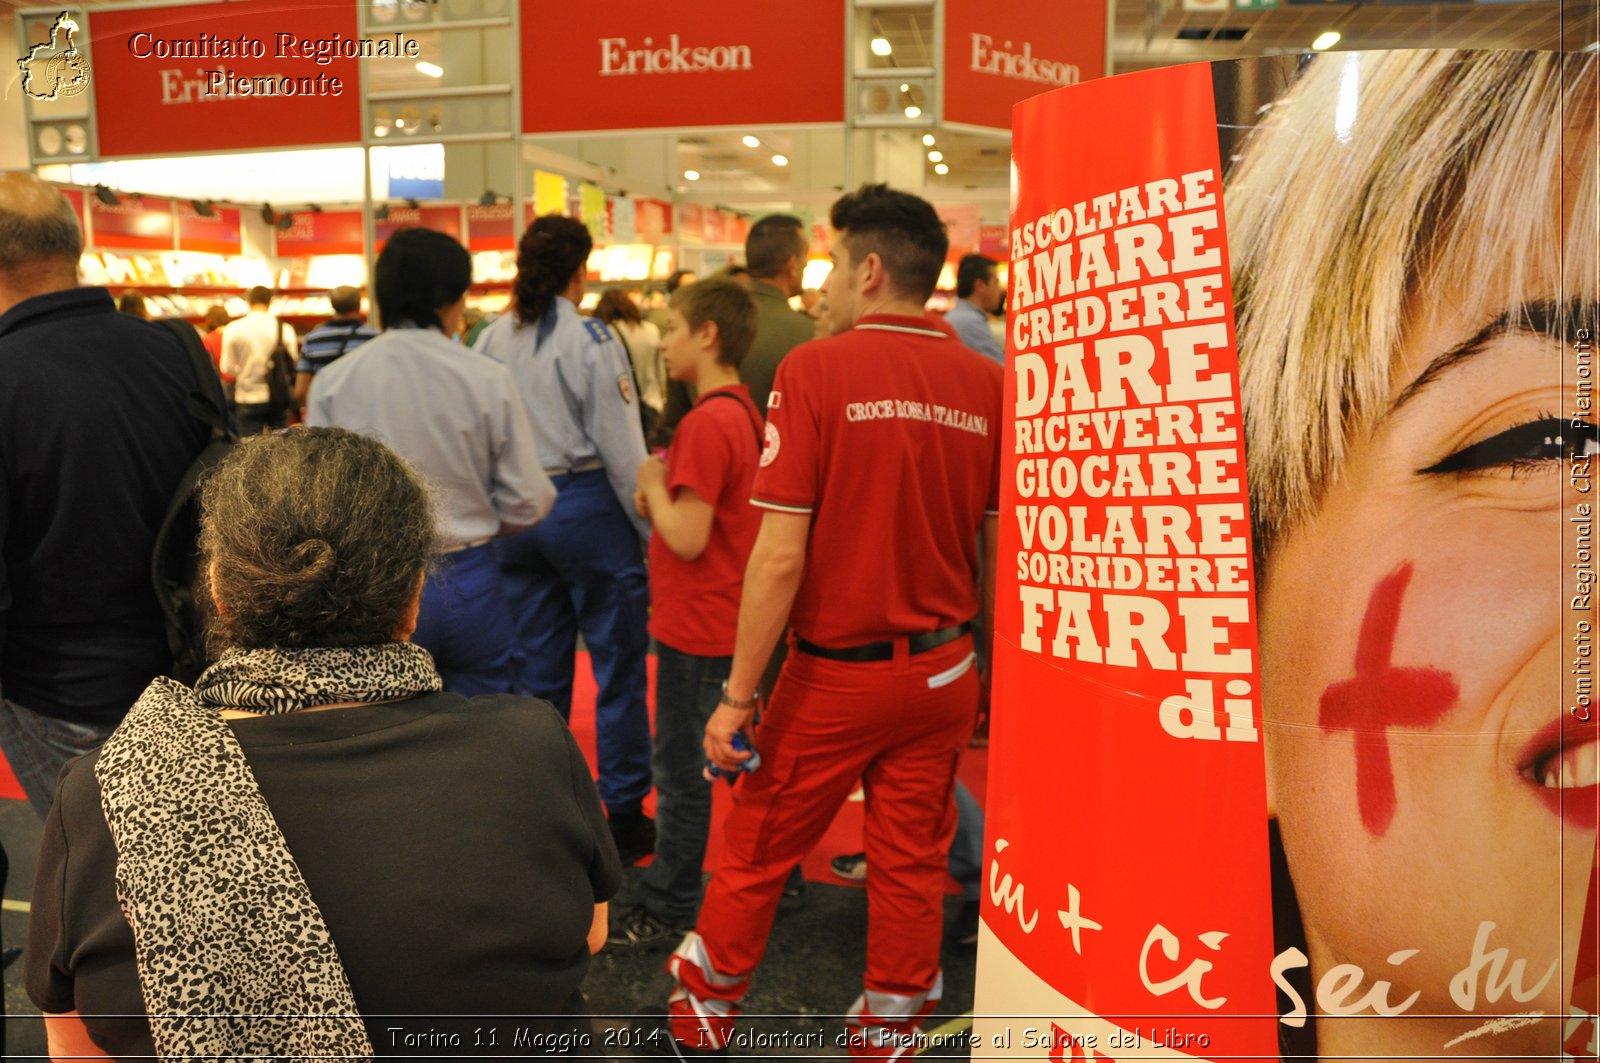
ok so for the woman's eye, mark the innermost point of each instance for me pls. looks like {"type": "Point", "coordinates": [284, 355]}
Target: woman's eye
{"type": "Point", "coordinates": [1545, 440]}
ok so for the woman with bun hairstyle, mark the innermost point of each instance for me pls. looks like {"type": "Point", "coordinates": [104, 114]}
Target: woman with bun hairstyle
{"type": "Point", "coordinates": [582, 568]}
{"type": "Point", "coordinates": [315, 852]}
{"type": "Point", "coordinates": [1413, 242]}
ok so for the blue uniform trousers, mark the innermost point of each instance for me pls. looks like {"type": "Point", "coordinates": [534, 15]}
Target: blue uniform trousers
{"type": "Point", "coordinates": [582, 569]}
{"type": "Point", "coordinates": [466, 624]}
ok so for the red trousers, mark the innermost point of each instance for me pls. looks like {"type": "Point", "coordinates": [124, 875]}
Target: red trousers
{"type": "Point", "coordinates": [896, 726]}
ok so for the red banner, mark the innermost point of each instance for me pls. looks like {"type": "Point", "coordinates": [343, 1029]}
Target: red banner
{"type": "Point", "coordinates": [328, 232]}
{"type": "Point", "coordinates": [218, 234]}
{"type": "Point", "coordinates": [1298, 764]}
{"type": "Point", "coordinates": [999, 52]}
{"type": "Point", "coordinates": [136, 222]}
{"type": "Point", "coordinates": [490, 228]}
{"type": "Point", "coordinates": [652, 220]}
{"type": "Point", "coordinates": [446, 219]}
{"type": "Point", "coordinates": [692, 222]}
{"type": "Point", "coordinates": [253, 74]}
{"type": "Point", "coordinates": [648, 65]}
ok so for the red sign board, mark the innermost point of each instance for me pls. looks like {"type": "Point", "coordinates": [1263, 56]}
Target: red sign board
{"type": "Point", "coordinates": [446, 219]}
{"type": "Point", "coordinates": [653, 66]}
{"type": "Point", "coordinates": [137, 222]}
{"type": "Point", "coordinates": [258, 81]}
{"type": "Point", "coordinates": [218, 234]}
{"type": "Point", "coordinates": [692, 222]}
{"type": "Point", "coordinates": [490, 228]}
{"type": "Point", "coordinates": [652, 220]}
{"type": "Point", "coordinates": [1000, 52]}
{"type": "Point", "coordinates": [328, 232]}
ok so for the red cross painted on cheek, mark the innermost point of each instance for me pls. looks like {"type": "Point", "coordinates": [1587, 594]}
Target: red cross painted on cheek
{"type": "Point", "coordinates": [1380, 696]}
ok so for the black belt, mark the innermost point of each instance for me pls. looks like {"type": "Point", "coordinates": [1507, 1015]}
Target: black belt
{"type": "Point", "coordinates": [884, 651]}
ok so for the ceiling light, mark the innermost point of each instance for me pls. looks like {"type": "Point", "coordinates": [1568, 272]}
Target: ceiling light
{"type": "Point", "coordinates": [941, 169]}
{"type": "Point", "coordinates": [905, 86]}
{"type": "Point", "coordinates": [380, 131]}
{"type": "Point", "coordinates": [881, 46]}
{"type": "Point", "coordinates": [399, 123]}
{"type": "Point", "coordinates": [913, 111]}
{"type": "Point", "coordinates": [691, 175]}
{"type": "Point", "coordinates": [433, 70]}
{"type": "Point", "coordinates": [927, 140]}
{"type": "Point", "coordinates": [106, 196]}
{"type": "Point", "coordinates": [751, 142]}
{"type": "Point", "coordinates": [935, 156]}
{"type": "Point", "coordinates": [1326, 41]}
{"type": "Point", "coordinates": [780, 160]}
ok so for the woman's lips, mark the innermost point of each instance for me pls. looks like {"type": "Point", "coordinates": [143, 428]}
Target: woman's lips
{"type": "Point", "coordinates": [1563, 763]}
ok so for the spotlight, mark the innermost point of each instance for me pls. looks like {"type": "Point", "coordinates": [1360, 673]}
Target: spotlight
{"type": "Point", "coordinates": [106, 196]}
{"type": "Point", "coordinates": [413, 204]}
{"type": "Point", "coordinates": [881, 46]}
{"type": "Point", "coordinates": [381, 213]}
{"type": "Point", "coordinates": [269, 215]}
{"type": "Point", "coordinates": [780, 160]}
{"type": "Point", "coordinates": [202, 207]}
{"type": "Point", "coordinates": [751, 142]}
{"type": "Point", "coordinates": [490, 197]}
{"type": "Point", "coordinates": [935, 156]}
{"type": "Point", "coordinates": [927, 140]}
{"type": "Point", "coordinates": [285, 221]}
{"type": "Point", "coordinates": [941, 169]}
{"type": "Point", "coordinates": [913, 111]}
{"type": "Point", "coordinates": [433, 70]}
{"type": "Point", "coordinates": [691, 175]}
{"type": "Point", "coordinates": [1325, 41]}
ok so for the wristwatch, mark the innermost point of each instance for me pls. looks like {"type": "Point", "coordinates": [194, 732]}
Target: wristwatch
{"type": "Point", "coordinates": [735, 703]}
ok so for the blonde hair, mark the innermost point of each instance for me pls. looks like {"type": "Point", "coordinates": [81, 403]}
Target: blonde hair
{"type": "Point", "coordinates": [1382, 177]}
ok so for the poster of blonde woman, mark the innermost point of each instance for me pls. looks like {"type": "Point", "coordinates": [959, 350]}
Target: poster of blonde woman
{"type": "Point", "coordinates": [1294, 753]}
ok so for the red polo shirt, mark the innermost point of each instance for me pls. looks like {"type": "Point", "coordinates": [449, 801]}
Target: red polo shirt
{"type": "Point", "coordinates": [888, 435]}
{"type": "Point", "coordinates": [694, 605]}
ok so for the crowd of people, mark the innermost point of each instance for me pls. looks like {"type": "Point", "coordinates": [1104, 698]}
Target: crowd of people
{"type": "Point", "coordinates": [396, 590]}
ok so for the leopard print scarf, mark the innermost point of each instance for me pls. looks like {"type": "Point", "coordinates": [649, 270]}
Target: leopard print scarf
{"type": "Point", "coordinates": [233, 956]}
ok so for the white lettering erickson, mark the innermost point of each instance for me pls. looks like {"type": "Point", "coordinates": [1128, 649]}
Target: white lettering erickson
{"type": "Point", "coordinates": [616, 58]}
{"type": "Point", "coordinates": [1020, 66]}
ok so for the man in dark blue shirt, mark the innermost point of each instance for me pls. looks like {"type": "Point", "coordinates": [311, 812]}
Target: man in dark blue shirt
{"type": "Point", "coordinates": [94, 436]}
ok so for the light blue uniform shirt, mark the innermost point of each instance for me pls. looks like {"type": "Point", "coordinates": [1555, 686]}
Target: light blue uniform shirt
{"type": "Point", "coordinates": [972, 327]}
{"type": "Point", "coordinates": [577, 380]}
{"type": "Point", "coordinates": [453, 415]}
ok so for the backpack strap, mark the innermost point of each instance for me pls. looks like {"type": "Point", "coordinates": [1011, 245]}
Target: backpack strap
{"type": "Point", "coordinates": [750, 410]}
{"type": "Point", "coordinates": [205, 403]}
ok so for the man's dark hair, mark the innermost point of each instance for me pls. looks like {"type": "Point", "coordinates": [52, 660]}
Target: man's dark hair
{"type": "Point", "coordinates": [419, 273]}
{"type": "Point", "coordinates": [970, 270]}
{"type": "Point", "coordinates": [551, 251]}
{"type": "Point", "coordinates": [28, 239]}
{"type": "Point", "coordinates": [772, 242]}
{"type": "Point", "coordinates": [902, 229]}
{"type": "Point", "coordinates": [260, 295]}
{"type": "Point", "coordinates": [345, 300]}
{"type": "Point", "coordinates": [675, 281]}
{"type": "Point", "coordinates": [728, 304]}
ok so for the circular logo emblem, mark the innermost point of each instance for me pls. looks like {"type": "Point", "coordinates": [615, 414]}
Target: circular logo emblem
{"type": "Point", "coordinates": [770, 452]}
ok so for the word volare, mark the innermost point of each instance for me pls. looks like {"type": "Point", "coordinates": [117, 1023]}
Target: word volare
{"type": "Point", "coordinates": [322, 51]}
{"type": "Point", "coordinates": [1019, 66]}
{"type": "Point", "coordinates": [616, 58]}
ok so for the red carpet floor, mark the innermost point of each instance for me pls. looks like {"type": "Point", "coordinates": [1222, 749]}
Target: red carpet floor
{"type": "Point", "coordinates": [844, 835]}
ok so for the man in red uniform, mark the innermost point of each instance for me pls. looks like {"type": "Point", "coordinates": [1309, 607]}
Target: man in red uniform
{"type": "Point", "coordinates": [880, 471]}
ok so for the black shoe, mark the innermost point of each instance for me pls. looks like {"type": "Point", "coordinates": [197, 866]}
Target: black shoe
{"type": "Point", "coordinates": [962, 930]}
{"type": "Point", "coordinates": [794, 892]}
{"type": "Point", "coordinates": [852, 867]}
{"type": "Point", "coordinates": [635, 836]}
{"type": "Point", "coordinates": [639, 928]}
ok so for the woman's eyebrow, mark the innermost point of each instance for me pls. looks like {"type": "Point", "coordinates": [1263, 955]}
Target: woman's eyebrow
{"type": "Point", "coordinates": [1571, 321]}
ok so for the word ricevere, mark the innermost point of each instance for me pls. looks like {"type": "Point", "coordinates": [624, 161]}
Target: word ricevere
{"type": "Point", "coordinates": [1132, 519]}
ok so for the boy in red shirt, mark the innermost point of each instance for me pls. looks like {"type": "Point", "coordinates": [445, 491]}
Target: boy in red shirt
{"type": "Point", "coordinates": [698, 501]}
